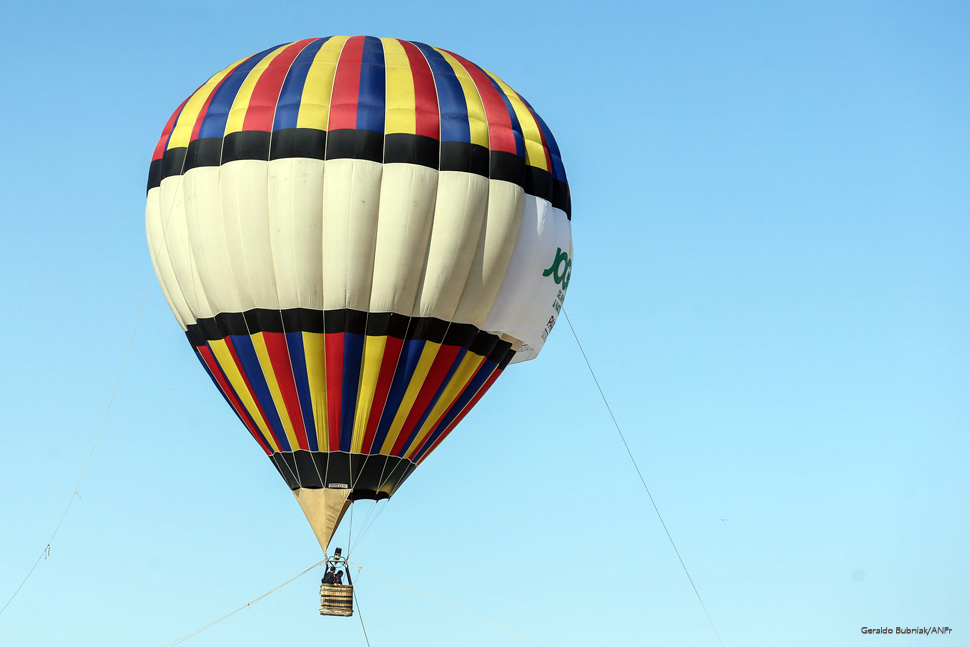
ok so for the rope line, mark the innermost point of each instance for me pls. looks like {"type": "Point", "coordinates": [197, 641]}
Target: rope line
{"type": "Point", "coordinates": [192, 634]}
{"type": "Point", "coordinates": [360, 615]}
{"type": "Point", "coordinates": [642, 480]}
{"type": "Point", "coordinates": [75, 494]}
{"type": "Point", "coordinates": [368, 523]}
{"type": "Point", "coordinates": [469, 613]}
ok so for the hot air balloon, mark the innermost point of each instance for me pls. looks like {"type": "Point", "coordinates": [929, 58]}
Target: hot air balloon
{"type": "Point", "coordinates": [357, 236]}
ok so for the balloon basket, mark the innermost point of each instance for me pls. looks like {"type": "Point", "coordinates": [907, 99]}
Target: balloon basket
{"type": "Point", "coordinates": [336, 600]}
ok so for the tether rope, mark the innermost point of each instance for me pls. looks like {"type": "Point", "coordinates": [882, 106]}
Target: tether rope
{"type": "Point", "coordinates": [191, 634]}
{"type": "Point", "coordinates": [75, 494]}
{"type": "Point", "coordinates": [642, 480]}
{"type": "Point", "coordinates": [367, 524]}
{"type": "Point", "coordinates": [360, 615]}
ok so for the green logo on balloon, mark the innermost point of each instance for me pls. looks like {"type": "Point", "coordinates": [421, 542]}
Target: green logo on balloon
{"type": "Point", "coordinates": [561, 269]}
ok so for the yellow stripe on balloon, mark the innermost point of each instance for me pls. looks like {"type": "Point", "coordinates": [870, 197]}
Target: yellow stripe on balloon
{"type": "Point", "coordinates": [400, 109]}
{"type": "Point", "coordinates": [315, 354]}
{"type": "Point", "coordinates": [477, 122]}
{"type": "Point", "coordinates": [240, 105]}
{"type": "Point", "coordinates": [259, 345]}
{"type": "Point", "coordinates": [318, 87]}
{"type": "Point", "coordinates": [411, 394]}
{"type": "Point", "coordinates": [228, 365]}
{"type": "Point", "coordinates": [182, 132]}
{"type": "Point", "coordinates": [535, 152]}
{"type": "Point", "coordinates": [459, 380]}
{"type": "Point", "coordinates": [369, 375]}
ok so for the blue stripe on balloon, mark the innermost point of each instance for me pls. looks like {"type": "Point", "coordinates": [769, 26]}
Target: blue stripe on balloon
{"type": "Point", "coordinates": [372, 93]}
{"type": "Point", "coordinates": [476, 383]}
{"type": "Point", "coordinates": [291, 94]}
{"type": "Point", "coordinates": [516, 126]}
{"type": "Point", "coordinates": [451, 97]}
{"type": "Point", "coordinates": [406, 363]}
{"type": "Point", "coordinates": [433, 402]}
{"type": "Point", "coordinates": [294, 346]}
{"type": "Point", "coordinates": [216, 116]}
{"type": "Point", "coordinates": [253, 371]}
{"type": "Point", "coordinates": [353, 353]}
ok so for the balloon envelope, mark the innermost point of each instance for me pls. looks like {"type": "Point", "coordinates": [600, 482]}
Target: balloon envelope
{"type": "Point", "coordinates": [357, 236]}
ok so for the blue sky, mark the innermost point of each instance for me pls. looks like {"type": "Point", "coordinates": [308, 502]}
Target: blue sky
{"type": "Point", "coordinates": [771, 222]}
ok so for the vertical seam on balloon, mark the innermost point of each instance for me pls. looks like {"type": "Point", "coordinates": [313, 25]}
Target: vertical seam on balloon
{"type": "Point", "coordinates": [434, 213]}
{"type": "Point", "coordinates": [463, 412]}
{"type": "Point", "coordinates": [273, 259]}
{"type": "Point", "coordinates": [242, 251]}
{"type": "Point", "coordinates": [324, 434]}
{"type": "Point", "coordinates": [286, 339]}
{"type": "Point", "coordinates": [312, 45]}
{"type": "Point", "coordinates": [385, 473]}
{"type": "Point", "coordinates": [269, 372]}
{"type": "Point", "coordinates": [407, 435]}
{"type": "Point", "coordinates": [410, 386]}
{"type": "Point", "coordinates": [370, 293]}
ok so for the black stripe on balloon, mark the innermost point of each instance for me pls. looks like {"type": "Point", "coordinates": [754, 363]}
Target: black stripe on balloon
{"type": "Point", "coordinates": [339, 321]}
{"type": "Point", "coordinates": [203, 152]}
{"type": "Point", "coordinates": [561, 199]}
{"type": "Point", "coordinates": [367, 476]}
{"type": "Point", "coordinates": [483, 343]}
{"type": "Point", "coordinates": [305, 467]}
{"type": "Point", "coordinates": [506, 359]}
{"type": "Point", "coordinates": [539, 183]}
{"type": "Point", "coordinates": [338, 471]}
{"type": "Point", "coordinates": [355, 144]}
{"type": "Point", "coordinates": [309, 143]}
{"type": "Point", "coordinates": [464, 157]}
{"type": "Point", "coordinates": [402, 148]}
{"type": "Point", "coordinates": [501, 353]}
{"type": "Point", "coordinates": [397, 470]}
{"type": "Point", "coordinates": [387, 324]}
{"type": "Point", "coordinates": [302, 320]}
{"type": "Point", "coordinates": [154, 174]}
{"type": "Point", "coordinates": [172, 162]}
{"type": "Point", "coordinates": [508, 167]}
{"type": "Point", "coordinates": [246, 145]}
{"type": "Point", "coordinates": [168, 166]}
{"type": "Point", "coordinates": [427, 329]}
{"type": "Point", "coordinates": [195, 336]}
{"type": "Point", "coordinates": [370, 472]}
{"type": "Point", "coordinates": [345, 321]}
{"type": "Point", "coordinates": [460, 335]}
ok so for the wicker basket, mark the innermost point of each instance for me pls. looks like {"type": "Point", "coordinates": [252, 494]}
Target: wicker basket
{"type": "Point", "coordinates": [336, 600]}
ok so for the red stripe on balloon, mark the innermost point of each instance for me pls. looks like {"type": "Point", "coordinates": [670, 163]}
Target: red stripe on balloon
{"type": "Point", "coordinates": [266, 93]}
{"type": "Point", "coordinates": [442, 363]}
{"type": "Point", "coordinates": [334, 344]}
{"type": "Point", "coordinates": [346, 85]}
{"type": "Point", "coordinates": [471, 404]}
{"type": "Point", "coordinates": [426, 115]}
{"type": "Point", "coordinates": [501, 136]}
{"type": "Point", "coordinates": [385, 377]}
{"type": "Point", "coordinates": [252, 394]}
{"type": "Point", "coordinates": [279, 357]}
{"type": "Point", "coordinates": [216, 371]}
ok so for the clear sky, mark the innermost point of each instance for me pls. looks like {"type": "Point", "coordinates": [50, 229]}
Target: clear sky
{"type": "Point", "coordinates": [771, 218]}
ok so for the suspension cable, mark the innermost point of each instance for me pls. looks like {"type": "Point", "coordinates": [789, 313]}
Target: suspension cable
{"type": "Point", "coordinates": [191, 634]}
{"type": "Point", "coordinates": [360, 615]}
{"type": "Point", "coordinates": [642, 480]}
{"type": "Point", "coordinates": [75, 494]}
